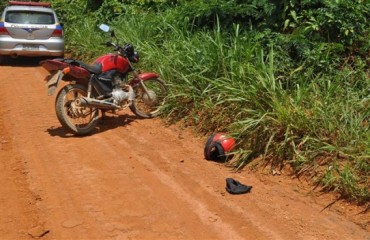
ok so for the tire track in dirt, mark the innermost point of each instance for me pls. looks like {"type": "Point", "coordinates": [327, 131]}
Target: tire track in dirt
{"type": "Point", "coordinates": [139, 179]}
{"type": "Point", "coordinates": [189, 188]}
{"type": "Point", "coordinates": [68, 160]}
{"type": "Point", "coordinates": [17, 203]}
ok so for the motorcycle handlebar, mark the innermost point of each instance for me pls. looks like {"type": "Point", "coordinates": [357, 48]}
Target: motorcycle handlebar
{"type": "Point", "coordinates": [108, 44]}
{"type": "Point", "coordinates": [125, 50]}
{"type": "Point", "coordinates": [111, 44]}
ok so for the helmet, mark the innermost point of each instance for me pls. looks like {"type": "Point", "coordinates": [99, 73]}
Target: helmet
{"type": "Point", "coordinates": [217, 147]}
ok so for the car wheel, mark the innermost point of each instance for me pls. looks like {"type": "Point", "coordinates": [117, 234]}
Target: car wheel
{"type": "Point", "coordinates": [3, 59]}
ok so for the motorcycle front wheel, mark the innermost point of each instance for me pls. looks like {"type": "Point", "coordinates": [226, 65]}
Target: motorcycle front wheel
{"type": "Point", "coordinates": [148, 100]}
{"type": "Point", "coordinates": [78, 120]}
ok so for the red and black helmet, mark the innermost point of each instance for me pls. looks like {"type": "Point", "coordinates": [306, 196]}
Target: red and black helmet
{"type": "Point", "coordinates": [218, 146]}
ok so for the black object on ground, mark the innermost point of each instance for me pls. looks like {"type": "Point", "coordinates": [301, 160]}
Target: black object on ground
{"type": "Point", "coordinates": [235, 187]}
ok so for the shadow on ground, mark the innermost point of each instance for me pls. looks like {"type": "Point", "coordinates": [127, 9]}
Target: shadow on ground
{"type": "Point", "coordinates": [107, 123]}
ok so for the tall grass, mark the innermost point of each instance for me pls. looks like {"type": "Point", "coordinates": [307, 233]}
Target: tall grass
{"type": "Point", "coordinates": [230, 81]}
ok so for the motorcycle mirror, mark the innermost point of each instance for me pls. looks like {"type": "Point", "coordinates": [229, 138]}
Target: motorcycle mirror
{"type": "Point", "coordinates": [104, 27]}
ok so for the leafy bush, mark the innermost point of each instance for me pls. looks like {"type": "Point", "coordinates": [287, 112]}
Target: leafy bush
{"type": "Point", "coordinates": [206, 12]}
{"type": "Point", "coordinates": [339, 29]}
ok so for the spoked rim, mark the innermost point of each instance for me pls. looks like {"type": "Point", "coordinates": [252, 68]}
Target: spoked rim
{"type": "Point", "coordinates": [151, 101]}
{"type": "Point", "coordinates": [80, 117]}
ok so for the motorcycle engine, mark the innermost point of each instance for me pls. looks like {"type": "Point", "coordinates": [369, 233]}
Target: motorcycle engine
{"type": "Point", "coordinates": [119, 95]}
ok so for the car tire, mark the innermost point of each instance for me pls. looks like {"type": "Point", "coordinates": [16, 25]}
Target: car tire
{"type": "Point", "coordinates": [3, 59]}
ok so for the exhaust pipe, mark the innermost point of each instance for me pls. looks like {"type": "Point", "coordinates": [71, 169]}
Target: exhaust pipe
{"type": "Point", "coordinates": [91, 102]}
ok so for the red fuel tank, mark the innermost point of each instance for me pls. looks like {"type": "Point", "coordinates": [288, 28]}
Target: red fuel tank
{"type": "Point", "coordinates": [113, 62]}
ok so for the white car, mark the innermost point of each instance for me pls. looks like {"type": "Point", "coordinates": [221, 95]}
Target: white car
{"type": "Point", "coordinates": [30, 29]}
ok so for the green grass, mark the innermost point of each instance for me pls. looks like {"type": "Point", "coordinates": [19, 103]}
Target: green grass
{"type": "Point", "coordinates": [230, 81]}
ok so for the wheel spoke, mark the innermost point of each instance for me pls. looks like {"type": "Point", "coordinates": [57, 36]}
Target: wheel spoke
{"type": "Point", "coordinates": [148, 102]}
{"type": "Point", "coordinates": [81, 120]}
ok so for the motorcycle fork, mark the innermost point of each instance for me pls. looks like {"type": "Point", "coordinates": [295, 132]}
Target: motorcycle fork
{"type": "Point", "coordinates": [144, 87]}
{"type": "Point", "coordinates": [141, 82]}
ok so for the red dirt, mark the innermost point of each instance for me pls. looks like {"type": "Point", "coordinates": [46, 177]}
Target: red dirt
{"type": "Point", "coordinates": [140, 179]}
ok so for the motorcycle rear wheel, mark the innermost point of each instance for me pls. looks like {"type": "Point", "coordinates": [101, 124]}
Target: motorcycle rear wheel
{"type": "Point", "coordinates": [147, 104]}
{"type": "Point", "coordinates": [78, 120]}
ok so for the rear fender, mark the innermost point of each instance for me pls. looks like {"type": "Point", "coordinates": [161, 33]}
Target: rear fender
{"type": "Point", "coordinates": [53, 81]}
{"type": "Point", "coordinates": [65, 74]}
{"type": "Point", "coordinates": [52, 65]}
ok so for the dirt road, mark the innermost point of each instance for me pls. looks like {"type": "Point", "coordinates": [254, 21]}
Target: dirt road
{"type": "Point", "coordinates": [139, 179]}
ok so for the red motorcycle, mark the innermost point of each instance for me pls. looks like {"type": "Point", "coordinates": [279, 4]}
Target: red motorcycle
{"type": "Point", "coordinates": [103, 86]}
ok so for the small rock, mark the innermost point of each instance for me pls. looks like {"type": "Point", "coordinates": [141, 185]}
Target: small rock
{"type": "Point", "coordinates": [37, 232]}
{"type": "Point", "coordinates": [71, 223]}
{"type": "Point", "coordinates": [212, 219]}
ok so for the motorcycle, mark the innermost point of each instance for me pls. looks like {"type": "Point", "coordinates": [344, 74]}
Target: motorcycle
{"type": "Point", "coordinates": [111, 84]}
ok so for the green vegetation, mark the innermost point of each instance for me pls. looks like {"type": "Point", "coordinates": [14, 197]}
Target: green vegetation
{"type": "Point", "coordinates": [288, 79]}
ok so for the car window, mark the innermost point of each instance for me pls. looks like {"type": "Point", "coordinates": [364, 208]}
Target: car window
{"type": "Point", "coordinates": [27, 17]}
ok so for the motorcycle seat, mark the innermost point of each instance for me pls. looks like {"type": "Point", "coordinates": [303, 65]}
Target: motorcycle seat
{"type": "Point", "coordinates": [95, 68]}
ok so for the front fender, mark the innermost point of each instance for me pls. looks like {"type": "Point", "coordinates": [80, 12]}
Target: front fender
{"type": "Point", "coordinates": [144, 76]}
{"type": "Point", "coordinates": [148, 75]}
